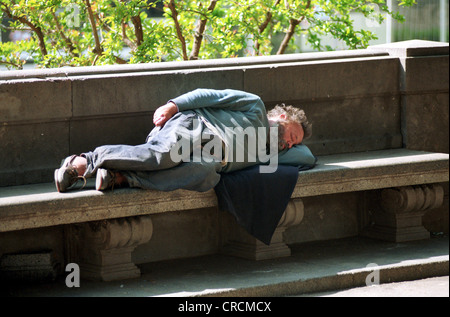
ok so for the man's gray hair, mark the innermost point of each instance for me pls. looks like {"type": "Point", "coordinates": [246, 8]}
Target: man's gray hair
{"type": "Point", "coordinates": [292, 114]}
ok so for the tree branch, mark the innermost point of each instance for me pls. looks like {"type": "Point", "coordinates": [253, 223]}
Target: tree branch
{"type": "Point", "coordinates": [120, 60]}
{"type": "Point", "coordinates": [138, 32]}
{"type": "Point", "coordinates": [35, 28]}
{"type": "Point", "coordinates": [264, 25]}
{"type": "Point", "coordinates": [126, 39]}
{"type": "Point", "coordinates": [69, 43]}
{"type": "Point", "coordinates": [9, 28]}
{"type": "Point", "coordinates": [291, 31]}
{"type": "Point", "coordinates": [137, 22]}
{"type": "Point", "coordinates": [198, 37]}
{"type": "Point", "coordinates": [18, 66]}
{"type": "Point", "coordinates": [98, 48]}
{"type": "Point", "coordinates": [178, 28]}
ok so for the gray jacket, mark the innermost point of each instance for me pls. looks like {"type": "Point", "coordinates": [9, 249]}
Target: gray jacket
{"type": "Point", "coordinates": [228, 112]}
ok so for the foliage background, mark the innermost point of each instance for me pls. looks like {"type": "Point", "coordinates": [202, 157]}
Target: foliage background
{"type": "Point", "coordinates": [100, 32]}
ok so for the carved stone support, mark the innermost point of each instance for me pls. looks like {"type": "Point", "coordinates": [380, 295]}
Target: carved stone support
{"type": "Point", "coordinates": [402, 208]}
{"type": "Point", "coordinates": [242, 244]}
{"type": "Point", "coordinates": [103, 249]}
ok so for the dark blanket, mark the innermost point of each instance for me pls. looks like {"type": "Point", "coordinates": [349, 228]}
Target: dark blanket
{"type": "Point", "coordinates": [257, 200]}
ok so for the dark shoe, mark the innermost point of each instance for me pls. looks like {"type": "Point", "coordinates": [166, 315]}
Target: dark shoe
{"type": "Point", "coordinates": [67, 175]}
{"type": "Point", "coordinates": [105, 179]}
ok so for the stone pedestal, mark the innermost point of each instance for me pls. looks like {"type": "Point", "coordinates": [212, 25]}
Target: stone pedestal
{"type": "Point", "coordinates": [103, 249]}
{"type": "Point", "coordinates": [402, 209]}
{"type": "Point", "coordinates": [29, 267]}
{"type": "Point", "coordinates": [242, 244]}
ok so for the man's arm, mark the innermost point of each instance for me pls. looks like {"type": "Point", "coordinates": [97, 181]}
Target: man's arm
{"type": "Point", "coordinates": [233, 100]}
{"type": "Point", "coordinates": [230, 99]}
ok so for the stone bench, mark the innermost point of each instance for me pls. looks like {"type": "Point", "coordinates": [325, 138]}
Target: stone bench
{"type": "Point", "coordinates": [372, 111]}
{"type": "Point", "coordinates": [103, 228]}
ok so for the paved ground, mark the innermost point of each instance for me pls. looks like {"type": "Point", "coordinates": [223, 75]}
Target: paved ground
{"type": "Point", "coordinates": [429, 287]}
{"type": "Point", "coordinates": [328, 268]}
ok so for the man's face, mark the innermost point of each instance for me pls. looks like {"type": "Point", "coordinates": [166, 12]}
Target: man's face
{"type": "Point", "coordinates": [289, 134]}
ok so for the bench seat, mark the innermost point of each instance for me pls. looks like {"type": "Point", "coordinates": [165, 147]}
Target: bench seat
{"type": "Point", "coordinates": [103, 229]}
{"type": "Point", "coordinates": [39, 205]}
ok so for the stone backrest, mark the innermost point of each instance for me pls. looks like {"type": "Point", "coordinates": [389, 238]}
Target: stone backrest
{"type": "Point", "coordinates": [383, 97]}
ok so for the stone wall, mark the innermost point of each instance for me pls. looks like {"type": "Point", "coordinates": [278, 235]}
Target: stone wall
{"type": "Point", "coordinates": [47, 115]}
{"type": "Point", "coordinates": [379, 98]}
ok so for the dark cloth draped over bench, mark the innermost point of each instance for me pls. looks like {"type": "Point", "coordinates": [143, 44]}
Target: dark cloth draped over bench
{"type": "Point", "coordinates": [257, 200]}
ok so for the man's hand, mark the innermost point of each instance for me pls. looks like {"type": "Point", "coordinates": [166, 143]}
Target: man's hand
{"type": "Point", "coordinates": [164, 113]}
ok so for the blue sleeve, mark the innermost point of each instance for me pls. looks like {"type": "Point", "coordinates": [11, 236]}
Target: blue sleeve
{"type": "Point", "coordinates": [299, 155]}
{"type": "Point", "coordinates": [234, 100]}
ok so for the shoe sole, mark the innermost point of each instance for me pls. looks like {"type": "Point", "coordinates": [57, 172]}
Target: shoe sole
{"type": "Point", "coordinates": [56, 181]}
{"type": "Point", "coordinates": [99, 179]}
{"type": "Point", "coordinates": [55, 175]}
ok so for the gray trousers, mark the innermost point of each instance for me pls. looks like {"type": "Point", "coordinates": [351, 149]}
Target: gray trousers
{"type": "Point", "coordinates": [151, 165]}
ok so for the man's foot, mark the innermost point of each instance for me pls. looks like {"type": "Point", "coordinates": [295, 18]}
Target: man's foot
{"type": "Point", "coordinates": [67, 175]}
{"type": "Point", "coordinates": [108, 179]}
{"type": "Point", "coordinates": [105, 179]}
